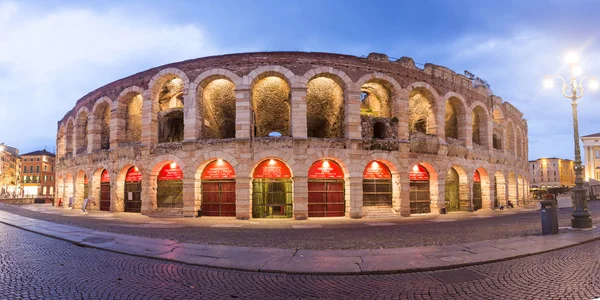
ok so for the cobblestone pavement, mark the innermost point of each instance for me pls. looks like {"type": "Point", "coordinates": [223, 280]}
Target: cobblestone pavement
{"type": "Point", "coordinates": [33, 266]}
{"type": "Point", "coordinates": [345, 234]}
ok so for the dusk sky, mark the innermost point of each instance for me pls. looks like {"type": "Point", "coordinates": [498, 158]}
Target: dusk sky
{"type": "Point", "coordinates": [54, 52]}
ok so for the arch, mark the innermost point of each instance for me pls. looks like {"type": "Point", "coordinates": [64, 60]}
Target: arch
{"type": "Point", "coordinates": [100, 189]}
{"type": "Point", "coordinates": [81, 189]}
{"type": "Point", "coordinates": [70, 139]}
{"type": "Point", "coordinates": [344, 80]}
{"type": "Point", "coordinates": [377, 185]}
{"type": "Point", "coordinates": [272, 189]}
{"type": "Point", "coordinates": [500, 195]}
{"type": "Point", "coordinates": [422, 108]}
{"type": "Point", "coordinates": [216, 106]}
{"type": "Point", "coordinates": [101, 124]}
{"type": "Point", "coordinates": [169, 185]}
{"type": "Point", "coordinates": [329, 154]}
{"type": "Point", "coordinates": [216, 190]}
{"type": "Point", "coordinates": [326, 189]}
{"type": "Point", "coordinates": [127, 194]}
{"type": "Point", "coordinates": [272, 70]}
{"type": "Point", "coordinates": [421, 189]}
{"type": "Point", "coordinates": [61, 141]}
{"type": "Point", "coordinates": [129, 114]}
{"type": "Point", "coordinates": [497, 114]}
{"type": "Point", "coordinates": [482, 177]}
{"type": "Point", "coordinates": [510, 137]}
{"type": "Point", "coordinates": [325, 101]}
{"type": "Point", "coordinates": [456, 192]}
{"type": "Point", "coordinates": [81, 131]}
{"type": "Point", "coordinates": [480, 124]}
{"type": "Point", "coordinates": [512, 188]}
{"type": "Point", "coordinates": [68, 192]}
{"type": "Point", "coordinates": [455, 117]}
{"type": "Point", "coordinates": [270, 102]}
{"type": "Point", "coordinates": [167, 92]}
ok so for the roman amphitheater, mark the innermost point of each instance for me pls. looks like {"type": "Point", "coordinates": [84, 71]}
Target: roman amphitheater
{"type": "Point", "coordinates": [292, 135]}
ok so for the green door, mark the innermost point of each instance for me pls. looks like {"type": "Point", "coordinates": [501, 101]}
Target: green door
{"type": "Point", "coordinates": [272, 198]}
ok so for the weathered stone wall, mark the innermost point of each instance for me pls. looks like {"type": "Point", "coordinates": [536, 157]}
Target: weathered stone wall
{"type": "Point", "coordinates": [292, 93]}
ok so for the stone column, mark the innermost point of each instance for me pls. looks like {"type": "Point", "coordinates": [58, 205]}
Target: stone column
{"type": "Point", "coordinates": [243, 198]}
{"type": "Point", "coordinates": [354, 197]}
{"type": "Point", "coordinates": [94, 193]}
{"type": "Point", "coordinates": [243, 115]}
{"type": "Point", "coordinates": [148, 194]}
{"type": "Point", "coordinates": [149, 121]}
{"type": "Point", "coordinates": [93, 134]}
{"type": "Point", "coordinates": [437, 189]}
{"type": "Point", "coordinates": [300, 197]}
{"type": "Point", "coordinates": [404, 186]}
{"type": "Point", "coordinates": [192, 118]}
{"type": "Point", "coordinates": [468, 129]}
{"type": "Point", "coordinates": [189, 197]}
{"type": "Point", "coordinates": [299, 128]}
{"type": "Point", "coordinates": [117, 193]}
{"type": "Point", "coordinates": [117, 125]}
{"type": "Point", "coordinates": [401, 112]}
{"type": "Point", "coordinates": [352, 127]}
{"type": "Point", "coordinates": [487, 193]}
{"type": "Point", "coordinates": [440, 119]}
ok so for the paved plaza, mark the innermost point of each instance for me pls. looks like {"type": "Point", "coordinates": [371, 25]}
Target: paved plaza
{"type": "Point", "coordinates": [38, 267]}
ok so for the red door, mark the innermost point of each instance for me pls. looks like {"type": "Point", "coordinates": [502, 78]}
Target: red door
{"type": "Point", "coordinates": [326, 198]}
{"type": "Point", "coordinates": [218, 198]}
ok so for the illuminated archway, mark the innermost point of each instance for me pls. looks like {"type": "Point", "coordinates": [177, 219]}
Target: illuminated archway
{"type": "Point", "coordinates": [272, 190]}
{"type": "Point", "coordinates": [326, 189]}
{"type": "Point", "coordinates": [420, 194]}
{"type": "Point", "coordinates": [104, 191]}
{"type": "Point", "coordinates": [133, 190]}
{"type": "Point", "coordinates": [218, 189]}
{"type": "Point", "coordinates": [169, 186]}
{"type": "Point", "coordinates": [377, 185]}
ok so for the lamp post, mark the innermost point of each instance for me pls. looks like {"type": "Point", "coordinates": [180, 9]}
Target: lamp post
{"type": "Point", "coordinates": [572, 89]}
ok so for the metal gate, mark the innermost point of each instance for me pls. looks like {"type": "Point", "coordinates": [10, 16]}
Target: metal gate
{"type": "Point", "coordinates": [272, 198]}
{"type": "Point", "coordinates": [105, 196]}
{"type": "Point", "coordinates": [477, 201]}
{"type": "Point", "coordinates": [420, 199]}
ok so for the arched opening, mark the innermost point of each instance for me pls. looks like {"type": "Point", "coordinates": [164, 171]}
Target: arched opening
{"type": "Point", "coordinates": [519, 144]}
{"type": "Point", "coordinates": [218, 189]}
{"type": "Point", "coordinates": [477, 197]}
{"type": "Point", "coordinates": [218, 109]}
{"type": "Point", "coordinates": [496, 141]}
{"type": "Point", "coordinates": [272, 190]}
{"type": "Point", "coordinates": [455, 120]}
{"type": "Point", "coordinates": [271, 107]}
{"type": "Point", "coordinates": [133, 190]}
{"type": "Point", "coordinates": [377, 185]}
{"type": "Point", "coordinates": [105, 191]}
{"type": "Point", "coordinates": [81, 133]}
{"type": "Point", "coordinates": [379, 130]}
{"type": "Point", "coordinates": [510, 137]}
{"type": "Point", "coordinates": [376, 99]}
{"type": "Point", "coordinates": [420, 112]}
{"type": "Point", "coordinates": [169, 186]}
{"type": "Point", "coordinates": [68, 200]}
{"type": "Point", "coordinates": [326, 189]}
{"type": "Point", "coordinates": [170, 115]}
{"type": "Point", "coordinates": [70, 133]}
{"type": "Point", "coordinates": [499, 189]}
{"type": "Point", "coordinates": [102, 116]}
{"type": "Point", "coordinates": [81, 189]}
{"type": "Point", "coordinates": [133, 118]}
{"type": "Point", "coordinates": [325, 108]}
{"type": "Point", "coordinates": [452, 191]}
{"type": "Point", "coordinates": [520, 187]}
{"type": "Point", "coordinates": [60, 191]}
{"type": "Point", "coordinates": [420, 195]}
{"type": "Point", "coordinates": [512, 188]}
{"type": "Point", "coordinates": [480, 127]}
{"type": "Point", "coordinates": [171, 127]}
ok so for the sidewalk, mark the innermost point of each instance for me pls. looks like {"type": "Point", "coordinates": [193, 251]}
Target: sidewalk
{"type": "Point", "coordinates": [360, 261]}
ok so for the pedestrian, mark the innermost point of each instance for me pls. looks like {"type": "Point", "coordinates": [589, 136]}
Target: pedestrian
{"type": "Point", "coordinates": [510, 204]}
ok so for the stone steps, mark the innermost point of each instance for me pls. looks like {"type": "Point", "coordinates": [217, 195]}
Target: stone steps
{"type": "Point", "coordinates": [379, 212]}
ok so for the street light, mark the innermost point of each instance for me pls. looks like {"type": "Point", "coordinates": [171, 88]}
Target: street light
{"type": "Point", "coordinates": [573, 90]}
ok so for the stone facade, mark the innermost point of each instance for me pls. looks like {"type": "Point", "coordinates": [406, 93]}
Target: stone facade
{"type": "Point", "coordinates": [299, 108]}
{"type": "Point", "coordinates": [552, 172]}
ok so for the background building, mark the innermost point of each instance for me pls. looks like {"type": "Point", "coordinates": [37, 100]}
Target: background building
{"type": "Point", "coordinates": [591, 150]}
{"type": "Point", "coordinates": [9, 170]}
{"type": "Point", "coordinates": [38, 173]}
{"type": "Point", "coordinates": [552, 172]}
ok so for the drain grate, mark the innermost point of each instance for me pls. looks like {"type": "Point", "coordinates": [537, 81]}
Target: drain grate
{"type": "Point", "coordinates": [457, 276]}
{"type": "Point", "coordinates": [98, 240]}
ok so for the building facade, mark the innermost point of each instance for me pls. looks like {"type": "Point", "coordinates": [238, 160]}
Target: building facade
{"type": "Point", "coordinates": [591, 152]}
{"type": "Point", "coordinates": [9, 171]}
{"type": "Point", "coordinates": [37, 173]}
{"type": "Point", "coordinates": [292, 134]}
{"type": "Point", "coordinates": [552, 172]}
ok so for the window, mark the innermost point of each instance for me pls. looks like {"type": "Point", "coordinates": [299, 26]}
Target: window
{"type": "Point", "coordinates": [52, 169]}
{"type": "Point", "coordinates": [45, 168]}
{"type": "Point", "coordinates": [38, 159]}
{"type": "Point", "coordinates": [554, 173]}
{"type": "Point", "coordinates": [46, 178]}
{"type": "Point", "coordinates": [37, 169]}
{"type": "Point", "coordinates": [597, 153]}
{"type": "Point", "coordinates": [25, 169]}
{"type": "Point", "coordinates": [30, 169]}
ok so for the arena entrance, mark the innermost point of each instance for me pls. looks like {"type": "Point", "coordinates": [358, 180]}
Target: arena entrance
{"type": "Point", "coordinates": [272, 190]}
{"type": "Point", "coordinates": [377, 185]}
{"type": "Point", "coordinates": [452, 191]}
{"type": "Point", "coordinates": [105, 191]}
{"type": "Point", "coordinates": [477, 199]}
{"type": "Point", "coordinates": [420, 200]}
{"type": "Point", "coordinates": [218, 189]}
{"type": "Point", "coordinates": [326, 190]}
{"type": "Point", "coordinates": [169, 186]}
{"type": "Point", "coordinates": [133, 190]}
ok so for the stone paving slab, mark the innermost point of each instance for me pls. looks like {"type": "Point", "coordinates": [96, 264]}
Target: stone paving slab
{"type": "Point", "coordinates": [359, 261]}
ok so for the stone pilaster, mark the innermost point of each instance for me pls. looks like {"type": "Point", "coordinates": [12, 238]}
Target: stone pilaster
{"type": "Point", "coordinates": [243, 198]}
{"type": "Point", "coordinates": [188, 198]}
{"type": "Point", "coordinates": [298, 111]}
{"type": "Point", "coordinates": [354, 197]}
{"type": "Point", "coordinates": [352, 127]}
{"type": "Point", "coordinates": [243, 113]}
{"type": "Point", "coordinates": [300, 197]}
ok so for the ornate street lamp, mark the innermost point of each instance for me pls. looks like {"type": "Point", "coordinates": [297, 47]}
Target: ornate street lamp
{"type": "Point", "coordinates": [573, 90]}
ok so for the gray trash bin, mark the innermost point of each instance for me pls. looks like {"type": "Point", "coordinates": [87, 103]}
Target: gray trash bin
{"type": "Point", "coordinates": [549, 217]}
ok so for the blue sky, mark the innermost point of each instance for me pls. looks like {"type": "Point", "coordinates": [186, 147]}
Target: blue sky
{"type": "Point", "coordinates": [54, 52]}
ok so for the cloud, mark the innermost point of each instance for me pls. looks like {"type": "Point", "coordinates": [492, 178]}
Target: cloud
{"type": "Point", "coordinates": [49, 60]}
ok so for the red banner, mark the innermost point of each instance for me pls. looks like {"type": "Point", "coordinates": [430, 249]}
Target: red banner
{"type": "Point", "coordinates": [272, 168]}
{"type": "Point", "coordinates": [476, 177]}
{"type": "Point", "coordinates": [418, 172]}
{"type": "Point", "coordinates": [325, 169]}
{"type": "Point", "coordinates": [105, 176]}
{"type": "Point", "coordinates": [133, 175]}
{"type": "Point", "coordinates": [377, 170]}
{"type": "Point", "coordinates": [170, 172]}
{"type": "Point", "coordinates": [218, 169]}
